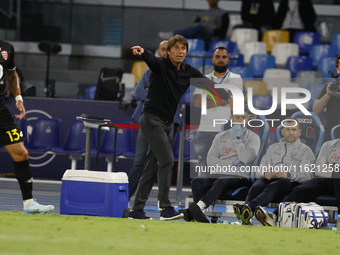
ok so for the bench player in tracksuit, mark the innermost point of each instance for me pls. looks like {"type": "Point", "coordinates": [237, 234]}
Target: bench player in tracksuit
{"type": "Point", "coordinates": [233, 147]}
{"type": "Point", "coordinates": [279, 172]}
{"type": "Point", "coordinates": [325, 182]}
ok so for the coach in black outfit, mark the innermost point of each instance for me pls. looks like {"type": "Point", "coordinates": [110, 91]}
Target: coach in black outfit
{"type": "Point", "coordinates": [169, 80]}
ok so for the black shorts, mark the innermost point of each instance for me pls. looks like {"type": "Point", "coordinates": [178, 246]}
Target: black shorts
{"type": "Point", "coordinates": [10, 132]}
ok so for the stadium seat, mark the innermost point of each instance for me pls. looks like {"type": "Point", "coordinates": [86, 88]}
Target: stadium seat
{"type": "Point", "coordinates": [189, 151]}
{"type": "Point", "coordinates": [75, 142]}
{"type": "Point", "coordinates": [259, 63]}
{"type": "Point", "coordinates": [129, 80]}
{"type": "Point", "coordinates": [271, 37]}
{"type": "Point", "coordinates": [298, 63]}
{"type": "Point", "coordinates": [125, 146]}
{"type": "Point", "coordinates": [46, 133]}
{"type": "Point", "coordinates": [282, 51]}
{"type": "Point", "coordinates": [276, 77]}
{"type": "Point", "coordinates": [229, 45]}
{"type": "Point", "coordinates": [306, 40]}
{"type": "Point", "coordinates": [243, 35]}
{"type": "Point", "coordinates": [234, 19]}
{"type": "Point", "coordinates": [312, 130]}
{"type": "Point", "coordinates": [241, 70]}
{"type": "Point", "coordinates": [195, 45]}
{"type": "Point", "coordinates": [325, 65]}
{"type": "Point", "coordinates": [138, 68]}
{"type": "Point", "coordinates": [125, 142]}
{"type": "Point", "coordinates": [197, 58]}
{"type": "Point", "coordinates": [236, 60]}
{"type": "Point", "coordinates": [259, 87]}
{"type": "Point", "coordinates": [90, 92]}
{"type": "Point", "coordinates": [335, 132]}
{"type": "Point", "coordinates": [318, 52]}
{"type": "Point", "coordinates": [303, 78]}
{"type": "Point", "coordinates": [262, 102]}
{"type": "Point", "coordinates": [335, 45]}
{"type": "Point", "coordinates": [315, 90]}
{"type": "Point", "coordinates": [252, 48]}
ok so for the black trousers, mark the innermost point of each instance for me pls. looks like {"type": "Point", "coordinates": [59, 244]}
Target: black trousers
{"type": "Point", "coordinates": [159, 135]}
{"type": "Point", "coordinates": [210, 189]}
{"type": "Point", "coordinates": [264, 191]}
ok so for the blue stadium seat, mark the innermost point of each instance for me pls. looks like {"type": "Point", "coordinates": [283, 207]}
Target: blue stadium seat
{"type": "Point", "coordinates": [298, 63]}
{"type": "Point", "coordinates": [312, 130]}
{"type": "Point", "coordinates": [46, 134]}
{"type": "Point", "coordinates": [197, 58]}
{"type": "Point", "coordinates": [241, 70]}
{"type": "Point", "coordinates": [75, 139]}
{"type": "Point", "coordinates": [189, 151]}
{"type": "Point", "coordinates": [125, 142]}
{"type": "Point", "coordinates": [335, 45]}
{"type": "Point", "coordinates": [318, 52]}
{"type": "Point", "coordinates": [236, 60]}
{"type": "Point", "coordinates": [335, 132]}
{"type": "Point", "coordinates": [306, 40]}
{"type": "Point", "coordinates": [90, 92]}
{"type": "Point", "coordinates": [259, 63]}
{"type": "Point", "coordinates": [325, 65]}
{"type": "Point", "coordinates": [229, 45]}
{"type": "Point", "coordinates": [262, 101]}
{"type": "Point", "coordinates": [195, 45]}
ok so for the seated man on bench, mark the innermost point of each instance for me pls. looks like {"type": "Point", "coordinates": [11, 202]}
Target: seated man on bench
{"type": "Point", "coordinates": [326, 182]}
{"type": "Point", "coordinates": [280, 171]}
{"type": "Point", "coordinates": [230, 149]}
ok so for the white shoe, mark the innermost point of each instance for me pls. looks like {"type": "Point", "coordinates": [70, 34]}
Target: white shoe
{"type": "Point", "coordinates": [36, 208]}
{"type": "Point", "coordinates": [165, 35]}
{"type": "Point", "coordinates": [266, 218]}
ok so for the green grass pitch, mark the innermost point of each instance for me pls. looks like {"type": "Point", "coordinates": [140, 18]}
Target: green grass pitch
{"type": "Point", "coordinates": [64, 234]}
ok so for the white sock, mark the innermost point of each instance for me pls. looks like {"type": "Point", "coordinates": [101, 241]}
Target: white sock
{"type": "Point", "coordinates": [201, 205]}
{"type": "Point", "coordinates": [28, 202]}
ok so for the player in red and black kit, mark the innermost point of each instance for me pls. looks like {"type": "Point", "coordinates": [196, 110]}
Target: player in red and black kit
{"type": "Point", "coordinates": [11, 137]}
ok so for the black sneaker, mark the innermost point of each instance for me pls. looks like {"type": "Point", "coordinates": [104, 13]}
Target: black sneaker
{"type": "Point", "coordinates": [126, 213]}
{"type": "Point", "coordinates": [169, 213]}
{"type": "Point", "coordinates": [186, 215]}
{"type": "Point", "coordinates": [197, 214]}
{"type": "Point", "coordinates": [138, 214]}
{"type": "Point", "coordinates": [246, 214]}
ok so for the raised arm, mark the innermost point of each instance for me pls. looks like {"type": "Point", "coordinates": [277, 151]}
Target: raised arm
{"type": "Point", "coordinates": [149, 58]}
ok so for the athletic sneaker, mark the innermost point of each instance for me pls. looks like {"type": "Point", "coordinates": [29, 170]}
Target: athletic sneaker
{"type": "Point", "coordinates": [197, 213]}
{"type": "Point", "coordinates": [36, 208]}
{"type": "Point", "coordinates": [245, 214]}
{"type": "Point", "coordinates": [266, 218]}
{"type": "Point", "coordinates": [237, 210]}
{"type": "Point", "coordinates": [126, 213]}
{"type": "Point", "coordinates": [169, 213]}
{"type": "Point", "coordinates": [138, 214]}
{"type": "Point", "coordinates": [186, 215]}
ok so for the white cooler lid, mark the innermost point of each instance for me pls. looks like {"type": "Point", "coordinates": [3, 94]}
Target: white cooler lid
{"type": "Point", "coordinates": [95, 176]}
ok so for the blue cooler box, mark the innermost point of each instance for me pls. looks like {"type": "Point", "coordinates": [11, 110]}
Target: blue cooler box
{"type": "Point", "coordinates": [94, 193]}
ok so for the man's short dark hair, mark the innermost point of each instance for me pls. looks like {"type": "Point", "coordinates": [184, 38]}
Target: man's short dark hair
{"type": "Point", "coordinates": [221, 48]}
{"type": "Point", "coordinates": [337, 61]}
{"type": "Point", "coordinates": [177, 38]}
